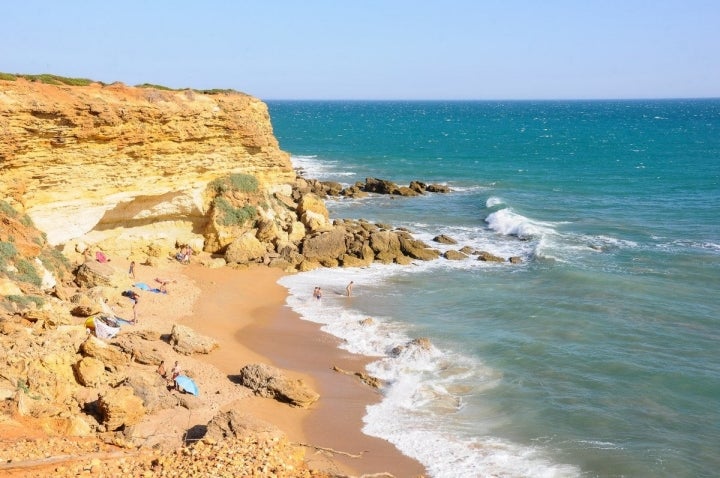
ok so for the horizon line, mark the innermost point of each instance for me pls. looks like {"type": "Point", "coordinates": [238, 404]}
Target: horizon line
{"type": "Point", "coordinates": [669, 98]}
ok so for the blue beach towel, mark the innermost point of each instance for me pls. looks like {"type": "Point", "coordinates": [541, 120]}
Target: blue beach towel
{"type": "Point", "coordinates": [144, 286]}
{"type": "Point", "coordinates": [122, 322]}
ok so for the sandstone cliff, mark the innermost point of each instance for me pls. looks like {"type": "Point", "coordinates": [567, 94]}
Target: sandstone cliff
{"type": "Point", "coordinates": [116, 162]}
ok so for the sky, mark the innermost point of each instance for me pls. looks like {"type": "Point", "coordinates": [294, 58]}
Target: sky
{"type": "Point", "coordinates": [374, 49]}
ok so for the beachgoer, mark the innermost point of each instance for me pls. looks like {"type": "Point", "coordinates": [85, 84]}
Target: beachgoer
{"type": "Point", "coordinates": [135, 297]}
{"type": "Point", "coordinates": [101, 257]}
{"type": "Point", "coordinates": [184, 255]}
{"type": "Point", "coordinates": [163, 284]}
{"type": "Point", "coordinates": [348, 289]}
{"type": "Point", "coordinates": [317, 293]}
{"type": "Point", "coordinates": [176, 370]}
{"type": "Point", "coordinates": [131, 271]}
{"type": "Point", "coordinates": [161, 369]}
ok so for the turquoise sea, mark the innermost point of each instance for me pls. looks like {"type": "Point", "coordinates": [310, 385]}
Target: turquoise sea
{"type": "Point", "coordinates": [599, 355]}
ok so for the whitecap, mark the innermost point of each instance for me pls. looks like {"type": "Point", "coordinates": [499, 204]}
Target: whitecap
{"type": "Point", "coordinates": [510, 223]}
{"type": "Point", "coordinates": [323, 169]}
{"type": "Point", "coordinates": [422, 410]}
{"type": "Point", "coordinates": [493, 201]}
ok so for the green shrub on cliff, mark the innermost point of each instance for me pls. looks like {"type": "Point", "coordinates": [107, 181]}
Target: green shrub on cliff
{"type": "Point", "coordinates": [55, 261]}
{"type": "Point", "coordinates": [58, 80]}
{"type": "Point", "coordinates": [25, 300]}
{"type": "Point", "coordinates": [8, 251]}
{"type": "Point", "coordinates": [49, 79]}
{"type": "Point", "coordinates": [229, 215]}
{"type": "Point", "coordinates": [213, 91]}
{"type": "Point", "coordinates": [7, 209]}
{"type": "Point", "coordinates": [155, 87]}
{"type": "Point", "coordinates": [244, 183]}
{"type": "Point", "coordinates": [26, 273]}
{"type": "Point", "coordinates": [218, 91]}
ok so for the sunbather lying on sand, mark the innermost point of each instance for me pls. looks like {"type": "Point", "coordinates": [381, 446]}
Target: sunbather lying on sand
{"type": "Point", "coordinates": [163, 284]}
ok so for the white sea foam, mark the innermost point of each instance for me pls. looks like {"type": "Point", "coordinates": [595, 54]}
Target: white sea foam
{"type": "Point", "coordinates": [422, 411]}
{"type": "Point", "coordinates": [682, 244]}
{"type": "Point", "coordinates": [600, 445]}
{"type": "Point", "coordinates": [506, 221]}
{"type": "Point", "coordinates": [314, 168]}
{"type": "Point", "coordinates": [466, 189]}
{"type": "Point", "coordinates": [577, 248]}
{"type": "Point", "coordinates": [493, 201]}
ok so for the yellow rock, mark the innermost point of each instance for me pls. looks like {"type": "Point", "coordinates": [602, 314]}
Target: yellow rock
{"type": "Point", "coordinates": [105, 162]}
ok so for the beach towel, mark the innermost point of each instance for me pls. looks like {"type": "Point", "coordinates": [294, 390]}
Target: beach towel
{"type": "Point", "coordinates": [144, 286]}
{"type": "Point", "coordinates": [101, 257]}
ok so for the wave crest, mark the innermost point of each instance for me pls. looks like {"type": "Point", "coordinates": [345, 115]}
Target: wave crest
{"type": "Point", "coordinates": [509, 223]}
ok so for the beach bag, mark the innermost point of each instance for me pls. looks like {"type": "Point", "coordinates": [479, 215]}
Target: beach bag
{"type": "Point", "coordinates": [105, 327]}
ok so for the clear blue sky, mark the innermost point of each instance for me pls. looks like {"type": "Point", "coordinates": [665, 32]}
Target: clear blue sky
{"type": "Point", "coordinates": [374, 49]}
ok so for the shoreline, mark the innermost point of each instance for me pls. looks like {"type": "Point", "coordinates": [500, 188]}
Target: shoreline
{"type": "Point", "coordinates": [245, 312]}
{"type": "Point", "coordinates": [262, 328]}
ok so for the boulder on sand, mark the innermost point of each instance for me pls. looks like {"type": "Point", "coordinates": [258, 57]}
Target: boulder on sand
{"type": "Point", "coordinates": [187, 342]}
{"type": "Point", "coordinates": [270, 382]}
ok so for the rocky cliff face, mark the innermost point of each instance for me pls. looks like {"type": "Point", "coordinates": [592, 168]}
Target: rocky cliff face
{"type": "Point", "coordinates": [122, 163]}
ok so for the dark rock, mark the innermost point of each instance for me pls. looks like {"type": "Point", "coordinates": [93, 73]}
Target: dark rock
{"type": "Point", "coordinates": [443, 239]}
{"type": "Point", "coordinates": [487, 257]}
{"type": "Point", "coordinates": [454, 255]}
{"type": "Point", "coordinates": [438, 188]}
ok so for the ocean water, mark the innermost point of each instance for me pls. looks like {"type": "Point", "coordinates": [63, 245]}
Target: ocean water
{"type": "Point", "coordinates": [598, 355]}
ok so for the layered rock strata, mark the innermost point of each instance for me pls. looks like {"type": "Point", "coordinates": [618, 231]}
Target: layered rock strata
{"type": "Point", "coordinates": [128, 162]}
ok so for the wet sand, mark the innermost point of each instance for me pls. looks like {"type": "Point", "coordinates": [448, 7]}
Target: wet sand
{"type": "Point", "coordinates": [245, 311]}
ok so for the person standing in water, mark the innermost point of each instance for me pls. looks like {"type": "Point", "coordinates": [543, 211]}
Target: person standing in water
{"type": "Point", "coordinates": [348, 289]}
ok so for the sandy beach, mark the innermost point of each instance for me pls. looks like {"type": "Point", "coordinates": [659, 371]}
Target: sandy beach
{"type": "Point", "coordinates": [245, 311]}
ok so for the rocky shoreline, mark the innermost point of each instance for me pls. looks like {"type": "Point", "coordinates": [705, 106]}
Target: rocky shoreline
{"type": "Point", "coordinates": [146, 174]}
{"type": "Point", "coordinates": [340, 242]}
{"type": "Point", "coordinates": [75, 385]}
{"type": "Point", "coordinates": [99, 407]}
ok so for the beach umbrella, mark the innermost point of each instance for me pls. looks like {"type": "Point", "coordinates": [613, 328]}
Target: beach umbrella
{"type": "Point", "coordinates": [187, 384]}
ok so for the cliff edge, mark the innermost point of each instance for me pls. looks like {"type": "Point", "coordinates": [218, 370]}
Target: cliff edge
{"type": "Point", "coordinates": [107, 162]}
